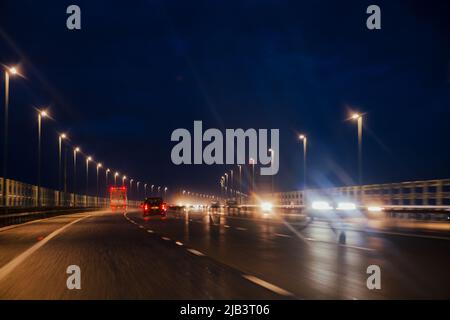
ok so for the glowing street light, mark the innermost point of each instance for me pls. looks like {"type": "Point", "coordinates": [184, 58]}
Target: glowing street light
{"type": "Point", "coordinates": [8, 71]}
{"type": "Point", "coordinates": [41, 114]}
{"type": "Point", "coordinates": [107, 171]}
{"type": "Point", "coordinates": [359, 118]}
{"type": "Point", "coordinates": [115, 178]}
{"type": "Point", "coordinates": [61, 137]}
{"type": "Point", "coordinates": [123, 180]}
{"type": "Point", "coordinates": [304, 139]}
{"type": "Point", "coordinates": [88, 159]}
{"type": "Point", "coordinates": [99, 165]}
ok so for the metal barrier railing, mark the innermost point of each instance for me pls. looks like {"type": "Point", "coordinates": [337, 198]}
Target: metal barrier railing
{"type": "Point", "coordinates": [20, 194]}
{"type": "Point", "coordinates": [417, 193]}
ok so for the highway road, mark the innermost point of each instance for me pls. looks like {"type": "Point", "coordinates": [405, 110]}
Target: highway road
{"type": "Point", "coordinates": [198, 255]}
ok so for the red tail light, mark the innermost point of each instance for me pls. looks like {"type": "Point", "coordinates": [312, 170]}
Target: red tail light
{"type": "Point", "coordinates": [145, 207]}
{"type": "Point", "coordinates": [163, 207]}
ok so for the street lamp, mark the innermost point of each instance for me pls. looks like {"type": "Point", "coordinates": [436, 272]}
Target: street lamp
{"type": "Point", "coordinates": [271, 161]}
{"type": "Point", "coordinates": [137, 188]}
{"type": "Point", "coordinates": [115, 178]}
{"type": "Point", "coordinates": [145, 190]}
{"type": "Point", "coordinates": [60, 139]}
{"type": "Point", "coordinates": [226, 185]}
{"type": "Point", "coordinates": [151, 189]}
{"type": "Point", "coordinates": [165, 192]}
{"type": "Point", "coordinates": [88, 158]}
{"type": "Point", "coordinates": [99, 165]}
{"type": "Point", "coordinates": [240, 182]}
{"type": "Point", "coordinates": [107, 171]}
{"type": "Point", "coordinates": [75, 150]}
{"type": "Point", "coordinates": [41, 114]}
{"type": "Point", "coordinates": [252, 163]}
{"type": "Point", "coordinates": [131, 186]}
{"type": "Point", "coordinates": [304, 139]}
{"type": "Point", "coordinates": [8, 71]}
{"type": "Point", "coordinates": [359, 118]}
{"type": "Point", "coordinates": [123, 180]}
{"type": "Point", "coordinates": [232, 182]}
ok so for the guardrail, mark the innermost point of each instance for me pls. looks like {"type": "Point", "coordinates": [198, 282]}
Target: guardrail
{"type": "Point", "coordinates": [414, 193]}
{"type": "Point", "coordinates": [22, 204]}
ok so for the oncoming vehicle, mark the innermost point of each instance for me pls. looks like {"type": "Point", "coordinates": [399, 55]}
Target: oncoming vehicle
{"type": "Point", "coordinates": [118, 198]}
{"type": "Point", "coordinates": [154, 206]}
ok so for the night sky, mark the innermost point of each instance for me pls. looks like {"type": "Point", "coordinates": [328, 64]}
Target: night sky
{"type": "Point", "coordinates": [140, 69]}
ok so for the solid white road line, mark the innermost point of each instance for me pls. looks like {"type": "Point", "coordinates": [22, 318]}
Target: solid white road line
{"type": "Point", "coordinates": [10, 266]}
{"type": "Point", "coordinates": [282, 235]}
{"type": "Point", "coordinates": [197, 253]}
{"type": "Point", "coordinates": [268, 285]}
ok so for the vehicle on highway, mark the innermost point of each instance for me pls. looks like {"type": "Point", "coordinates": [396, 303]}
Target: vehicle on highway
{"type": "Point", "coordinates": [232, 203]}
{"type": "Point", "coordinates": [118, 197]}
{"type": "Point", "coordinates": [215, 205]}
{"type": "Point", "coordinates": [154, 206]}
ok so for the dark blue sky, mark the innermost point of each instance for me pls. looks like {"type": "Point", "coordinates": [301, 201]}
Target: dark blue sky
{"type": "Point", "coordinates": [140, 69]}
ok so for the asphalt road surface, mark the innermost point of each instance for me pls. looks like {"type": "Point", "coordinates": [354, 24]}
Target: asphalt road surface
{"type": "Point", "coordinates": [203, 256]}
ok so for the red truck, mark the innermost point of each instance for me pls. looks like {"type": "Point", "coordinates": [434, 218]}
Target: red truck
{"type": "Point", "coordinates": [118, 197]}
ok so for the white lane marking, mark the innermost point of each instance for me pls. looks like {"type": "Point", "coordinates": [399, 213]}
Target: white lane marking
{"type": "Point", "coordinates": [267, 285]}
{"type": "Point", "coordinates": [241, 229]}
{"type": "Point", "coordinates": [356, 247]}
{"type": "Point", "coordinates": [10, 266]}
{"type": "Point", "coordinates": [165, 238]}
{"type": "Point", "coordinates": [282, 235]}
{"type": "Point", "coordinates": [341, 245]}
{"type": "Point", "coordinates": [226, 226]}
{"type": "Point", "coordinates": [179, 243]}
{"type": "Point", "coordinates": [141, 227]}
{"type": "Point", "coordinates": [197, 253]}
{"type": "Point", "coordinates": [150, 231]}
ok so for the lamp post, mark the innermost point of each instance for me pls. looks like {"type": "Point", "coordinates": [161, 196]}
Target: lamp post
{"type": "Point", "coordinates": [8, 72]}
{"type": "Point", "coordinates": [165, 192]}
{"type": "Point", "coordinates": [359, 118]}
{"type": "Point", "coordinates": [131, 186]}
{"type": "Point", "coordinates": [61, 137]}
{"type": "Point", "coordinates": [226, 185]}
{"type": "Point", "coordinates": [252, 163]}
{"type": "Point", "coordinates": [123, 180]}
{"type": "Point", "coordinates": [99, 165]}
{"type": "Point", "coordinates": [151, 189]}
{"type": "Point", "coordinates": [107, 171]}
{"type": "Point", "coordinates": [304, 139]}
{"type": "Point", "coordinates": [137, 188]}
{"type": "Point", "coordinates": [116, 174]}
{"type": "Point", "coordinates": [41, 114]}
{"type": "Point", "coordinates": [272, 156]}
{"type": "Point", "coordinates": [88, 159]}
{"type": "Point", "coordinates": [145, 190]}
{"type": "Point", "coordinates": [75, 150]}
{"type": "Point", "coordinates": [240, 183]}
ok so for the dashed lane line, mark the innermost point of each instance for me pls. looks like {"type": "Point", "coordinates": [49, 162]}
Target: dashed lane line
{"type": "Point", "coordinates": [268, 285]}
{"type": "Point", "coordinates": [197, 253]}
